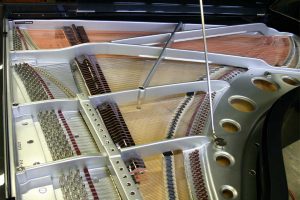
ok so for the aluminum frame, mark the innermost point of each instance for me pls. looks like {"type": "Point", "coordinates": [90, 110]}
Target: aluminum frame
{"type": "Point", "coordinates": [241, 86]}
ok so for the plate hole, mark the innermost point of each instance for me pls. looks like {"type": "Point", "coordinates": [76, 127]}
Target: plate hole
{"type": "Point", "coordinates": [117, 162]}
{"type": "Point", "coordinates": [228, 192]}
{"type": "Point", "coordinates": [121, 168]}
{"type": "Point", "coordinates": [290, 80]}
{"type": "Point", "coordinates": [224, 159]}
{"type": "Point", "coordinates": [230, 126]}
{"type": "Point", "coordinates": [36, 163]}
{"type": "Point", "coordinates": [128, 184]}
{"type": "Point", "coordinates": [265, 85]}
{"type": "Point", "coordinates": [132, 193]}
{"type": "Point", "coordinates": [125, 176]}
{"type": "Point", "coordinates": [30, 141]}
{"type": "Point", "coordinates": [76, 136]}
{"type": "Point", "coordinates": [242, 104]}
{"type": "Point", "coordinates": [25, 123]}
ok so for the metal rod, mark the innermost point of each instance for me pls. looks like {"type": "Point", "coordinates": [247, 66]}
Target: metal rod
{"type": "Point", "coordinates": [207, 67]}
{"type": "Point", "coordinates": [161, 56]}
{"type": "Point", "coordinates": [146, 83]}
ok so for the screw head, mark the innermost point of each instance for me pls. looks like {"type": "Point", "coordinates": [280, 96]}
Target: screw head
{"type": "Point", "coordinates": [20, 168]}
{"type": "Point", "coordinates": [220, 142]}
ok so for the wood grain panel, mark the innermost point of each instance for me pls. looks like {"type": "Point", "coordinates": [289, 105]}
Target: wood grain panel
{"type": "Point", "coordinates": [49, 39]}
{"type": "Point", "coordinates": [273, 49]}
{"type": "Point", "coordinates": [150, 124]}
{"type": "Point", "coordinates": [52, 39]}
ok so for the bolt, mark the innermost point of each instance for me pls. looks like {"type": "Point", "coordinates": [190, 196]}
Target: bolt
{"type": "Point", "coordinates": [20, 168]}
{"type": "Point", "coordinates": [220, 142]}
{"type": "Point", "coordinates": [252, 172]}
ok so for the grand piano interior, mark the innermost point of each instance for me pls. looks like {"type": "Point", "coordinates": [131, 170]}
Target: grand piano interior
{"type": "Point", "coordinates": [110, 101]}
